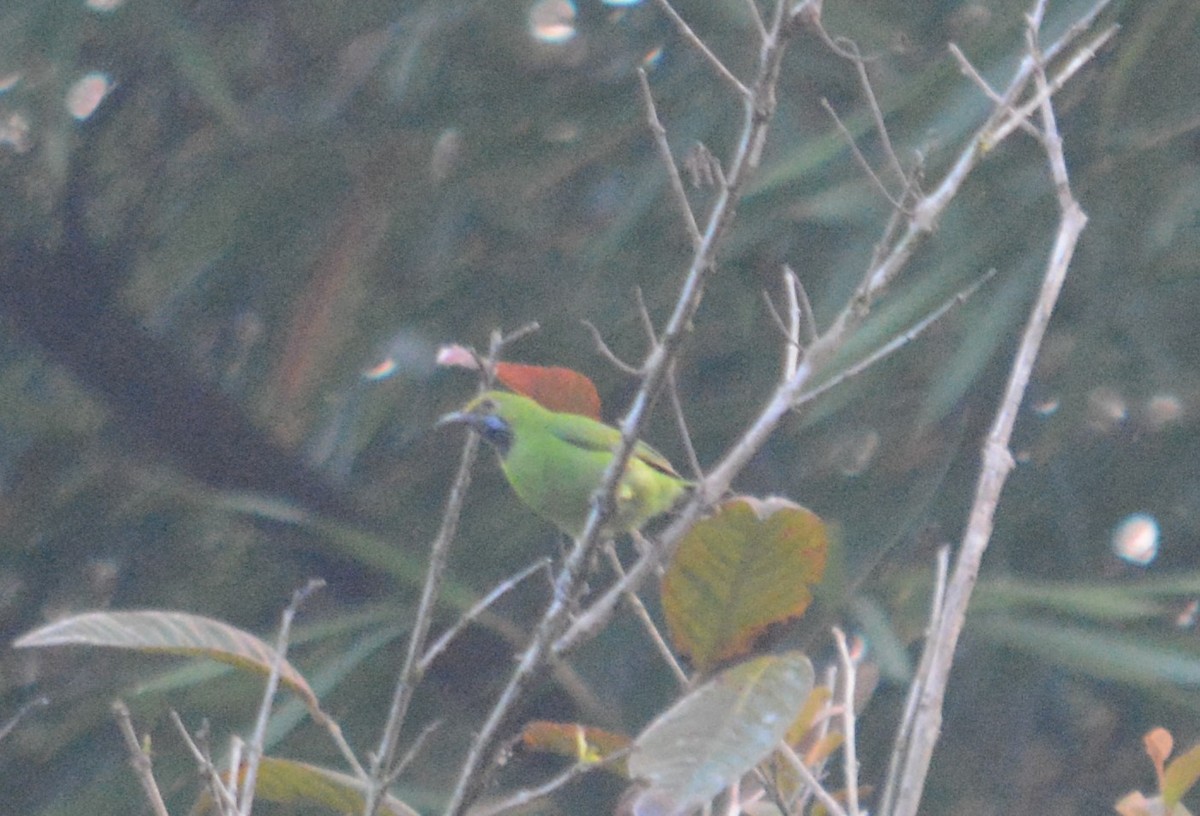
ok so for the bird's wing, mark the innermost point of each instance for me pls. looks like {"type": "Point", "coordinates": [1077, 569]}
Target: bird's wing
{"type": "Point", "coordinates": [587, 434]}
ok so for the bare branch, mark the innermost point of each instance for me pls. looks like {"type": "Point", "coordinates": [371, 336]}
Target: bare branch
{"type": "Point", "coordinates": [903, 732]}
{"type": "Point", "coordinates": [521, 800]}
{"type": "Point", "coordinates": [223, 795]}
{"type": "Point", "coordinates": [756, 16]}
{"type": "Point", "coordinates": [606, 352]}
{"type": "Point", "coordinates": [681, 423]}
{"type": "Point", "coordinates": [997, 460]}
{"type": "Point", "coordinates": [13, 721]}
{"type": "Point", "coordinates": [833, 806]}
{"type": "Point", "coordinates": [896, 343]}
{"type": "Point", "coordinates": [859, 157]}
{"type": "Point", "coordinates": [410, 673]}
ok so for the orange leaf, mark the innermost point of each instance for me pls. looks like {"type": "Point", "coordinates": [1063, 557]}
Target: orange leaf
{"type": "Point", "coordinates": [581, 743]}
{"type": "Point", "coordinates": [1159, 744]}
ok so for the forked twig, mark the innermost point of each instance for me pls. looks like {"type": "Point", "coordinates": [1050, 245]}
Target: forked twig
{"type": "Point", "coordinates": [477, 609]}
{"type": "Point", "coordinates": [143, 767]}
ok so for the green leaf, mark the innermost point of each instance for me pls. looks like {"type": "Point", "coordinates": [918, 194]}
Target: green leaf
{"type": "Point", "coordinates": [1101, 652]}
{"type": "Point", "coordinates": [746, 567]}
{"type": "Point", "coordinates": [719, 731]}
{"type": "Point", "coordinates": [1181, 775]}
{"type": "Point", "coordinates": [176, 633]}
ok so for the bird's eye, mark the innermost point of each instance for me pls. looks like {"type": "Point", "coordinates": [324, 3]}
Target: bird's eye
{"type": "Point", "coordinates": [487, 405]}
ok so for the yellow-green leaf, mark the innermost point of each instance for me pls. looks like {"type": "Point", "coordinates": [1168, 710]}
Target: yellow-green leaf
{"type": "Point", "coordinates": [751, 564]}
{"type": "Point", "coordinates": [288, 782]}
{"type": "Point", "coordinates": [1181, 776]}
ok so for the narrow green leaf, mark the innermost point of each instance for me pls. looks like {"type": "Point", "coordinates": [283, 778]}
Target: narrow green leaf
{"type": "Point", "coordinates": [176, 633]}
{"type": "Point", "coordinates": [1106, 653]}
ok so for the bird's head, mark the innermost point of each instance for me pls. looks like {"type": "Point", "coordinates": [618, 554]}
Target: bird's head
{"type": "Point", "coordinates": [490, 415]}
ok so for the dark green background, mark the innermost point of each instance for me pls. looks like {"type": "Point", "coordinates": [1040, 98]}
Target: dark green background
{"type": "Point", "coordinates": [278, 195]}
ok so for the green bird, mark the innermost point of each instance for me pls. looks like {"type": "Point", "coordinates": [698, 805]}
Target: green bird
{"type": "Point", "coordinates": [556, 461]}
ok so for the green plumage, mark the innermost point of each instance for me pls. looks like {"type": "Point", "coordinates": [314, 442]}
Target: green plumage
{"type": "Point", "coordinates": [555, 462]}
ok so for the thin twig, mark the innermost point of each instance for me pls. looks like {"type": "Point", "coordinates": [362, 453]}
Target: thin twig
{"type": "Point", "coordinates": [413, 751]}
{"type": "Point", "coordinates": [668, 159]}
{"type": "Point", "coordinates": [477, 609]}
{"type": "Point", "coordinates": [807, 321]}
{"type": "Point", "coordinates": [896, 343]}
{"type": "Point", "coordinates": [833, 806]}
{"type": "Point", "coordinates": [1082, 57]}
{"type": "Point", "coordinates": [521, 800]}
{"type": "Point", "coordinates": [639, 611]}
{"type": "Point", "coordinates": [681, 424]}
{"type": "Point", "coordinates": [849, 744]}
{"type": "Point", "coordinates": [13, 721]}
{"type": "Point", "coordinates": [143, 767]}
{"type": "Point", "coordinates": [864, 81]}
{"type": "Point", "coordinates": [695, 42]}
{"type": "Point", "coordinates": [644, 315]}
{"type": "Point", "coordinates": [859, 157]}
{"type": "Point", "coordinates": [607, 353]}
{"type": "Point", "coordinates": [258, 737]}
{"type": "Point", "coordinates": [223, 795]}
{"type": "Point", "coordinates": [900, 744]}
{"type": "Point", "coordinates": [756, 16]}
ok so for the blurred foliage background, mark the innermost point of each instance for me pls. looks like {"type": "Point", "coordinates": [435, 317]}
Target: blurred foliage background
{"type": "Point", "coordinates": [222, 288]}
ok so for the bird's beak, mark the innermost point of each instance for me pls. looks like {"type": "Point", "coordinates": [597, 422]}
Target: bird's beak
{"type": "Point", "coordinates": [453, 418]}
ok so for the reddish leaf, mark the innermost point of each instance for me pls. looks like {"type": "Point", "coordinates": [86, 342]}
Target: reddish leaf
{"type": "Point", "coordinates": [554, 387]}
{"type": "Point", "coordinates": [1159, 745]}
